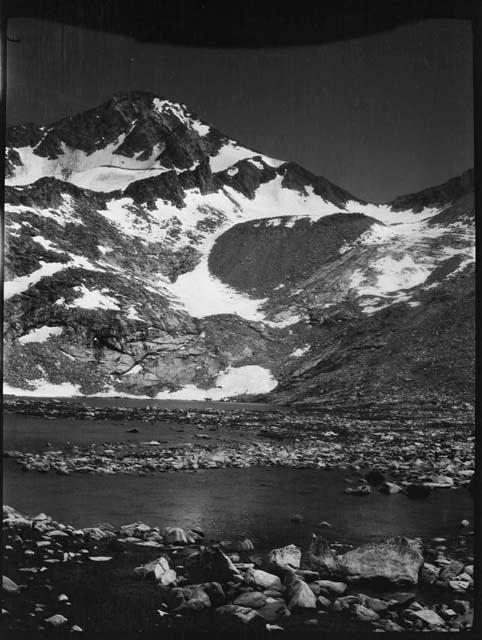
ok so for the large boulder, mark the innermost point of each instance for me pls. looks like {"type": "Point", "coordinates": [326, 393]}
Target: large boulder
{"type": "Point", "coordinates": [211, 565]}
{"type": "Point", "coordinates": [322, 558]}
{"type": "Point", "coordinates": [157, 570]}
{"type": "Point", "coordinates": [262, 579]}
{"type": "Point", "coordinates": [251, 599]}
{"type": "Point", "coordinates": [300, 596]}
{"type": "Point", "coordinates": [395, 559]}
{"type": "Point", "coordinates": [192, 598]}
{"type": "Point", "coordinates": [9, 586]}
{"type": "Point", "coordinates": [174, 535]}
{"type": "Point", "coordinates": [285, 557]}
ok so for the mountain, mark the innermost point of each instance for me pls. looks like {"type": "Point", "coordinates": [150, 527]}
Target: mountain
{"type": "Point", "coordinates": [149, 254]}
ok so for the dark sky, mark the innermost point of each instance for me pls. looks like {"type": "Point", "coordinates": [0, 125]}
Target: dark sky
{"type": "Point", "coordinates": [380, 116]}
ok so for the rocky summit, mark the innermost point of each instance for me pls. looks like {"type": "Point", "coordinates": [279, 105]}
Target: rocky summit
{"type": "Point", "coordinates": [150, 255]}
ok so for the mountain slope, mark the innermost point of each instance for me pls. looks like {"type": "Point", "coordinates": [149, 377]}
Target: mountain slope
{"type": "Point", "coordinates": [149, 254]}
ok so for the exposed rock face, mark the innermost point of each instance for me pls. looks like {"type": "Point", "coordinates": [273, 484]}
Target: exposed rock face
{"type": "Point", "coordinates": [395, 559]}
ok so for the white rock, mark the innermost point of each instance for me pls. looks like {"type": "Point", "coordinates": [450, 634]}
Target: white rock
{"type": "Point", "coordinates": [57, 620]}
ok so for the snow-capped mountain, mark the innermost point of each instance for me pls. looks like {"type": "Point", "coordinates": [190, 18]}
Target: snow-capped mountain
{"type": "Point", "coordinates": [149, 254]}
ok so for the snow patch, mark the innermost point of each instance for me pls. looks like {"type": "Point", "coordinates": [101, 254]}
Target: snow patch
{"type": "Point", "coordinates": [132, 314]}
{"type": "Point", "coordinates": [251, 379]}
{"type": "Point", "coordinates": [297, 353]}
{"type": "Point", "coordinates": [41, 334]}
{"type": "Point", "coordinates": [44, 389]}
{"type": "Point", "coordinates": [202, 294]}
{"type": "Point", "coordinates": [94, 299]}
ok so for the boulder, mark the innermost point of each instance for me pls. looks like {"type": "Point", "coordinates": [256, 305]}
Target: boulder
{"type": "Point", "coordinates": [341, 604]}
{"type": "Point", "coordinates": [390, 488]}
{"type": "Point", "coordinates": [324, 602]}
{"type": "Point", "coordinates": [429, 573]}
{"type": "Point", "coordinates": [301, 596]}
{"type": "Point", "coordinates": [56, 621]}
{"type": "Point", "coordinates": [157, 570]}
{"type": "Point", "coordinates": [195, 599]}
{"type": "Point", "coordinates": [321, 557]}
{"type": "Point", "coordinates": [289, 556]}
{"type": "Point", "coordinates": [134, 530]}
{"type": "Point", "coordinates": [460, 584]}
{"type": "Point", "coordinates": [97, 534]}
{"type": "Point", "coordinates": [430, 617]}
{"type": "Point", "coordinates": [174, 535]}
{"type": "Point", "coordinates": [364, 613]}
{"type": "Point", "coordinates": [333, 587]}
{"type": "Point", "coordinates": [238, 545]}
{"type": "Point", "coordinates": [262, 579]}
{"type": "Point", "coordinates": [215, 592]}
{"type": "Point", "coordinates": [375, 604]}
{"type": "Point", "coordinates": [211, 565]}
{"type": "Point", "coordinates": [251, 599]}
{"type": "Point", "coordinates": [360, 490]}
{"type": "Point", "coordinates": [452, 570]}
{"type": "Point", "coordinates": [9, 585]}
{"type": "Point", "coordinates": [395, 559]}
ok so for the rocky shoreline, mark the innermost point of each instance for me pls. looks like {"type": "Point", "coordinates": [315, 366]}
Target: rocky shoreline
{"type": "Point", "coordinates": [399, 451]}
{"type": "Point", "coordinates": [143, 578]}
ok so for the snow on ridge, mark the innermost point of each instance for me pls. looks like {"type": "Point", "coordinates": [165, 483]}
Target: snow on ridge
{"type": "Point", "coordinates": [200, 128]}
{"type": "Point", "coordinates": [22, 283]}
{"type": "Point", "coordinates": [46, 244]}
{"type": "Point", "coordinates": [40, 334]}
{"type": "Point", "coordinates": [230, 153]}
{"type": "Point", "coordinates": [64, 214]}
{"type": "Point", "coordinates": [101, 170]}
{"type": "Point", "coordinates": [384, 213]}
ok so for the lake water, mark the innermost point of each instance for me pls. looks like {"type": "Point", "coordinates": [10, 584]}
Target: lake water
{"type": "Point", "coordinates": [225, 503]}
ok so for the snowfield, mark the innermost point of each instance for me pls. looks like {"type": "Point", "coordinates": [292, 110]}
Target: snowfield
{"type": "Point", "coordinates": [234, 381]}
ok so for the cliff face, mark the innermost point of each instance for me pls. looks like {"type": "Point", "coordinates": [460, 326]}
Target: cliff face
{"type": "Point", "coordinates": [149, 254]}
